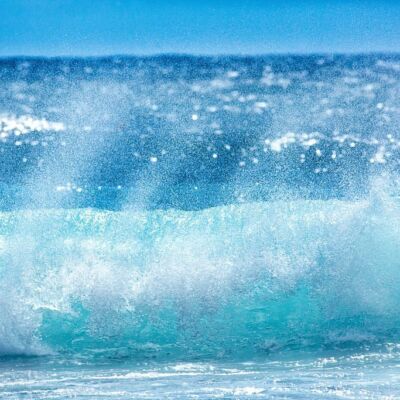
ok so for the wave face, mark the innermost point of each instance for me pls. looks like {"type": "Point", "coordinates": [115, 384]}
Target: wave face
{"type": "Point", "coordinates": [232, 280]}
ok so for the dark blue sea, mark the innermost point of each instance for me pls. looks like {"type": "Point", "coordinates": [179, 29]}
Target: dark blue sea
{"type": "Point", "coordinates": [180, 227]}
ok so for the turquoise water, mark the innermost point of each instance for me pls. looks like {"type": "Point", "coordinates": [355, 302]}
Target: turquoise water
{"type": "Point", "coordinates": [221, 281]}
{"type": "Point", "coordinates": [193, 227]}
{"type": "Point", "coordinates": [225, 302]}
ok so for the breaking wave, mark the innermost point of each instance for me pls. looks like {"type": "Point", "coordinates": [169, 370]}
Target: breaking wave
{"type": "Point", "coordinates": [235, 279]}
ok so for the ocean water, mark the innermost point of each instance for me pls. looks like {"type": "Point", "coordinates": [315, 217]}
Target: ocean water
{"type": "Point", "coordinates": [200, 227]}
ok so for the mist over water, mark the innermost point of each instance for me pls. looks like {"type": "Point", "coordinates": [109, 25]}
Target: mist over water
{"type": "Point", "coordinates": [193, 132]}
{"type": "Point", "coordinates": [178, 209]}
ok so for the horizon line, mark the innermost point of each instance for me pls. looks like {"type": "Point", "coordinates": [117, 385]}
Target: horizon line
{"type": "Point", "coordinates": [205, 55]}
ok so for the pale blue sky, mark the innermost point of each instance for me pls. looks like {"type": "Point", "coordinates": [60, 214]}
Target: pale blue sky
{"type": "Point", "coordinates": [101, 27]}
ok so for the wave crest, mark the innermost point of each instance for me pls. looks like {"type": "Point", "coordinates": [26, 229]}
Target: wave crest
{"type": "Point", "coordinates": [233, 279]}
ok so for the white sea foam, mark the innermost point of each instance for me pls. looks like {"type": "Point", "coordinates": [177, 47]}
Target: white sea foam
{"type": "Point", "coordinates": [114, 275]}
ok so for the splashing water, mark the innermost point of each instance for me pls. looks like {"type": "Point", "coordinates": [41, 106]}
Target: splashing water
{"type": "Point", "coordinates": [241, 212]}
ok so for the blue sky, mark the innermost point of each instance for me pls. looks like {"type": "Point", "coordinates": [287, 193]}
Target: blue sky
{"type": "Point", "coordinates": [101, 27]}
